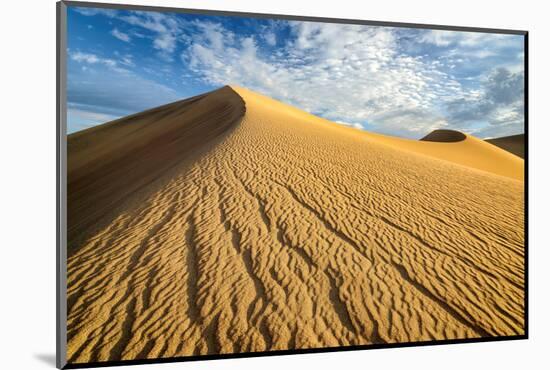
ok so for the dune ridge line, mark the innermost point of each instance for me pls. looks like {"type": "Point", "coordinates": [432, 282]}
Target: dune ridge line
{"type": "Point", "coordinates": [242, 224]}
{"type": "Point", "coordinates": [110, 162]}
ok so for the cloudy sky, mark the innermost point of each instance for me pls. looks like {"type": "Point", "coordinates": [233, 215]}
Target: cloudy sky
{"type": "Point", "coordinates": [397, 81]}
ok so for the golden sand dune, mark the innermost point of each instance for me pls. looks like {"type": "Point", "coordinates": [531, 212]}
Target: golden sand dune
{"type": "Point", "coordinates": [285, 231]}
{"type": "Point", "coordinates": [515, 144]}
{"type": "Point", "coordinates": [107, 163]}
{"type": "Point", "coordinates": [462, 149]}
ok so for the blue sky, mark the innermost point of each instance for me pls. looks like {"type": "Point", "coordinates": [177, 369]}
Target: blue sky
{"type": "Point", "coordinates": [396, 81]}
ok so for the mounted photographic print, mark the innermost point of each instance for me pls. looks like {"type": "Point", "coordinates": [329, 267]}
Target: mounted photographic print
{"type": "Point", "coordinates": [234, 184]}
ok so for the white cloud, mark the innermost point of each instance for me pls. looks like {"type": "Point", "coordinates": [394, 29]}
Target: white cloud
{"type": "Point", "coordinates": [165, 42]}
{"type": "Point", "coordinates": [348, 73]}
{"type": "Point", "coordinates": [414, 123]}
{"type": "Point", "coordinates": [213, 34]}
{"type": "Point", "coordinates": [499, 103]}
{"type": "Point", "coordinates": [151, 24]}
{"type": "Point", "coordinates": [120, 35]}
{"type": "Point", "coordinates": [343, 72]}
{"type": "Point", "coordinates": [111, 13]}
{"type": "Point", "coordinates": [472, 50]}
{"type": "Point", "coordinates": [483, 53]}
{"type": "Point", "coordinates": [401, 83]}
{"type": "Point", "coordinates": [465, 39]}
{"type": "Point", "coordinates": [127, 60]}
{"type": "Point", "coordinates": [167, 29]}
{"type": "Point", "coordinates": [270, 38]}
{"type": "Point", "coordinates": [351, 124]}
{"type": "Point", "coordinates": [89, 58]}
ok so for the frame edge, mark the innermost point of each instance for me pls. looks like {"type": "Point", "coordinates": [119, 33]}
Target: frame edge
{"type": "Point", "coordinates": [291, 17]}
{"type": "Point", "coordinates": [61, 129]}
{"type": "Point", "coordinates": [61, 105]}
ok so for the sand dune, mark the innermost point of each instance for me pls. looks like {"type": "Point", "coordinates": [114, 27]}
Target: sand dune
{"type": "Point", "coordinates": [515, 144]}
{"type": "Point", "coordinates": [461, 149]}
{"type": "Point", "coordinates": [445, 136]}
{"type": "Point", "coordinates": [107, 163]}
{"type": "Point", "coordinates": [280, 230]}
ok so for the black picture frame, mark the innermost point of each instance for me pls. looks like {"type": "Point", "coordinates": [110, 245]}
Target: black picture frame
{"type": "Point", "coordinates": [61, 160]}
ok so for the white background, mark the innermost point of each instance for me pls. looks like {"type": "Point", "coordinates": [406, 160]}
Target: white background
{"type": "Point", "coordinates": [27, 194]}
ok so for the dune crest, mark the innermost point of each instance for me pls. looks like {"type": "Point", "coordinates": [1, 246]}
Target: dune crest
{"type": "Point", "coordinates": [289, 231]}
{"type": "Point", "coordinates": [111, 162]}
{"type": "Point", "coordinates": [444, 136]}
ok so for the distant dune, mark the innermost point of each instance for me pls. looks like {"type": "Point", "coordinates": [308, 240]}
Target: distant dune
{"type": "Point", "coordinates": [515, 144]}
{"type": "Point", "coordinates": [231, 222]}
{"type": "Point", "coordinates": [444, 136]}
{"type": "Point", "coordinates": [465, 150]}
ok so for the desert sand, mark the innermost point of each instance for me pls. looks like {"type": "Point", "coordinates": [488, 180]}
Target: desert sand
{"type": "Point", "coordinates": [515, 144]}
{"type": "Point", "coordinates": [231, 222]}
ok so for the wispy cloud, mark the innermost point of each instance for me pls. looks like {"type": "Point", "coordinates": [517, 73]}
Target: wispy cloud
{"type": "Point", "coordinates": [270, 38]}
{"type": "Point", "coordinates": [342, 72]}
{"type": "Point", "coordinates": [120, 35]}
{"type": "Point", "coordinates": [464, 39]}
{"type": "Point", "coordinates": [91, 59]}
{"type": "Point", "coordinates": [345, 73]}
{"type": "Point", "coordinates": [165, 42]}
{"type": "Point", "coordinates": [500, 103]}
{"type": "Point", "coordinates": [395, 81]}
{"type": "Point", "coordinates": [111, 13]}
{"type": "Point", "coordinates": [351, 124]}
{"type": "Point", "coordinates": [166, 29]}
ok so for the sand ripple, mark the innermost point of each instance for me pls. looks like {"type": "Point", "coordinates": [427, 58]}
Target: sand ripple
{"type": "Point", "coordinates": [290, 232]}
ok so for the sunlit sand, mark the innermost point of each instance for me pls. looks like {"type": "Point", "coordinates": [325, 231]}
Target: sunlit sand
{"type": "Point", "coordinates": [231, 222]}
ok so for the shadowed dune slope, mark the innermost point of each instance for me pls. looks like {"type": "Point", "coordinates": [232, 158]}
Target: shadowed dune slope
{"type": "Point", "coordinates": [515, 144]}
{"type": "Point", "coordinates": [110, 162]}
{"type": "Point", "coordinates": [294, 232]}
